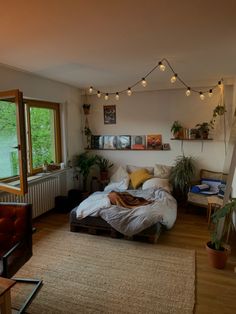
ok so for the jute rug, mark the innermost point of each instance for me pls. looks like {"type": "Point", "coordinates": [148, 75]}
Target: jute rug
{"type": "Point", "coordinates": [93, 274]}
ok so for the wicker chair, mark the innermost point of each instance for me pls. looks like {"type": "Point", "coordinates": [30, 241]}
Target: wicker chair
{"type": "Point", "coordinates": [16, 243]}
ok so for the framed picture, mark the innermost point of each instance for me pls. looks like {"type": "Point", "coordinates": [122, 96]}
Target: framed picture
{"type": "Point", "coordinates": [109, 142]}
{"type": "Point", "coordinates": [109, 114]}
{"type": "Point", "coordinates": [97, 141]}
{"type": "Point", "coordinates": [138, 142]}
{"type": "Point", "coordinates": [123, 142]}
{"type": "Point", "coordinates": [166, 146]}
{"type": "Point", "coordinates": [154, 141]}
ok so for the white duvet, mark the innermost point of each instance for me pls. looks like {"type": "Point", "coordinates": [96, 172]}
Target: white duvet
{"type": "Point", "coordinates": [131, 221]}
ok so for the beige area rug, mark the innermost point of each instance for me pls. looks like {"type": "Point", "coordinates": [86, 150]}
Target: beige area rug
{"type": "Point", "coordinates": [92, 274]}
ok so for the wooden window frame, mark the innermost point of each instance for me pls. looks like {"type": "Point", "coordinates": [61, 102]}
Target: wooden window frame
{"type": "Point", "coordinates": [30, 103]}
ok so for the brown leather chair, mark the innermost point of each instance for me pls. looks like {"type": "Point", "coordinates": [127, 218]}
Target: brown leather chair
{"type": "Point", "coordinates": [16, 243]}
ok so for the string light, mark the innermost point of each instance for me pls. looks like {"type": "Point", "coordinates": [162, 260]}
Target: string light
{"type": "Point", "coordinates": [129, 91]}
{"type": "Point", "coordinates": [173, 78]}
{"type": "Point", "coordinates": [202, 97]}
{"type": "Point", "coordinates": [161, 66]}
{"type": "Point", "coordinates": [188, 91]}
{"type": "Point", "coordinates": [144, 82]}
{"type": "Point", "coordinates": [117, 96]}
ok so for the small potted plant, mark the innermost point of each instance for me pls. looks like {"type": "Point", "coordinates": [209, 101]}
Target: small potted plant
{"type": "Point", "coordinates": [103, 164]}
{"type": "Point", "coordinates": [217, 250]}
{"type": "Point", "coordinates": [86, 109]}
{"type": "Point", "coordinates": [203, 129]}
{"type": "Point", "coordinates": [176, 129]}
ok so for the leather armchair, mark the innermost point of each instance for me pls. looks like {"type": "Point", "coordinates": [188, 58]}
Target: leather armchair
{"type": "Point", "coordinates": [16, 242]}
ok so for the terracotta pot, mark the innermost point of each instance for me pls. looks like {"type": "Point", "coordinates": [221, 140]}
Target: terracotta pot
{"type": "Point", "coordinates": [217, 258]}
{"type": "Point", "coordinates": [103, 175]}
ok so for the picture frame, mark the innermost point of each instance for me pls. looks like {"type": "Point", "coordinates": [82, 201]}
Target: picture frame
{"type": "Point", "coordinates": [109, 114]}
{"type": "Point", "coordinates": [123, 142]}
{"type": "Point", "coordinates": [166, 146]}
{"type": "Point", "coordinates": [138, 142]}
{"type": "Point", "coordinates": [109, 142]}
{"type": "Point", "coordinates": [154, 141]}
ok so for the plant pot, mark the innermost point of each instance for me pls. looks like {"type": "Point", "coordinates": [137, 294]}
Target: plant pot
{"type": "Point", "coordinates": [217, 258]}
{"type": "Point", "coordinates": [205, 135]}
{"type": "Point", "coordinates": [104, 175]}
{"type": "Point", "coordinates": [176, 134]}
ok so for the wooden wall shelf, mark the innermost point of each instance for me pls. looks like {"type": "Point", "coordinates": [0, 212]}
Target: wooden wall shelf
{"type": "Point", "coordinates": [192, 139]}
{"type": "Point", "coordinates": [130, 150]}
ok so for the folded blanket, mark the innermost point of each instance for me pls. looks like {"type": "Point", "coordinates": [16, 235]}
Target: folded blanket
{"type": "Point", "coordinates": [200, 188]}
{"type": "Point", "coordinates": [127, 200]}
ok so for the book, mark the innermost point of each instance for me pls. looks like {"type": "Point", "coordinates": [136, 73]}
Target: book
{"type": "Point", "coordinates": [138, 142]}
{"type": "Point", "coordinates": [154, 141]}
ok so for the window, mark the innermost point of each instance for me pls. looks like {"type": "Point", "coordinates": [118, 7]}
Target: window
{"type": "Point", "coordinates": [29, 138]}
{"type": "Point", "coordinates": [43, 134]}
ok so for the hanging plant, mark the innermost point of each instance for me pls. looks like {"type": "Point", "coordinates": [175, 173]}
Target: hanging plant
{"type": "Point", "coordinates": [86, 109]}
{"type": "Point", "coordinates": [218, 111]}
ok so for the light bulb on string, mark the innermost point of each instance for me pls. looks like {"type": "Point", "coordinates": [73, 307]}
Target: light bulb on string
{"type": "Point", "coordinates": [173, 78]}
{"type": "Point", "coordinates": [188, 91]}
{"type": "Point", "coordinates": [202, 96]}
{"type": "Point", "coordinates": [106, 96]}
{"type": "Point", "coordinates": [210, 93]}
{"type": "Point", "coordinates": [98, 94]}
{"type": "Point", "coordinates": [161, 66]}
{"type": "Point", "coordinates": [144, 82]}
{"type": "Point", "coordinates": [219, 84]}
{"type": "Point", "coordinates": [117, 96]}
{"type": "Point", "coordinates": [129, 91]}
{"type": "Point", "coordinates": [90, 90]}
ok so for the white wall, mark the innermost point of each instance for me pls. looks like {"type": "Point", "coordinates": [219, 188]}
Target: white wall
{"type": "Point", "coordinates": [153, 112]}
{"type": "Point", "coordinates": [69, 97]}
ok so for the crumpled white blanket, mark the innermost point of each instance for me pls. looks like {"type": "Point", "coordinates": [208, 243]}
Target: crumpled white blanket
{"type": "Point", "coordinates": [131, 221]}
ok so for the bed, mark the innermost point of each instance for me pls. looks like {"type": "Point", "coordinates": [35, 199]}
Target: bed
{"type": "Point", "coordinates": [97, 213]}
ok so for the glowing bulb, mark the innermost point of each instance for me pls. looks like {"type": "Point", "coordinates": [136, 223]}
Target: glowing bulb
{"type": "Point", "coordinates": [98, 94]}
{"type": "Point", "coordinates": [202, 97]}
{"type": "Point", "coordinates": [161, 66]}
{"type": "Point", "coordinates": [106, 96]}
{"type": "Point", "coordinates": [173, 78]}
{"type": "Point", "coordinates": [188, 92]}
{"type": "Point", "coordinates": [90, 90]}
{"type": "Point", "coordinates": [129, 92]}
{"type": "Point", "coordinates": [210, 93]}
{"type": "Point", "coordinates": [144, 82]}
{"type": "Point", "coordinates": [117, 96]}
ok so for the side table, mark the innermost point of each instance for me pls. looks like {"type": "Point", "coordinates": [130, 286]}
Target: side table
{"type": "Point", "coordinates": [5, 295]}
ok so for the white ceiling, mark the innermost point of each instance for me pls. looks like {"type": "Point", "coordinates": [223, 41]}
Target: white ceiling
{"type": "Point", "coordinates": [110, 44]}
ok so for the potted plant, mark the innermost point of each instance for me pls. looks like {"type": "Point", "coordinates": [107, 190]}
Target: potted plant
{"type": "Point", "coordinates": [86, 109]}
{"type": "Point", "coordinates": [203, 129]}
{"type": "Point", "coordinates": [103, 164]}
{"type": "Point", "coordinates": [181, 175]}
{"type": "Point", "coordinates": [217, 250]}
{"type": "Point", "coordinates": [88, 134]}
{"type": "Point", "coordinates": [85, 162]}
{"type": "Point", "coordinates": [176, 129]}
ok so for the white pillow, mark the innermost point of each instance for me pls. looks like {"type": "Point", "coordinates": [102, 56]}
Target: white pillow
{"type": "Point", "coordinates": [119, 175]}
{"type": "Point", "coordinates": [131, 168]}
{"type": "Point", "coordinates": [117, 186]}
{"type": "Point", "coordinates": [162, 171]}
{"type": "Point", "coordinates": [157, 183]}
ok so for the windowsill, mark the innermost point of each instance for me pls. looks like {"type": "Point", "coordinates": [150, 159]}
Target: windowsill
{"type": "Point", "coordinates": [38, 177]}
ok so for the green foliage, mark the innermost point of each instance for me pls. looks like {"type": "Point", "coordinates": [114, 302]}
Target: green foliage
{"type": "Point", "coordinates": [176, 127]}
{"type": "Point", "coordinates": [85, 162]}
{"type": "Point", "coordinates": [182, 173]}
{"type": "Point", "coordinates": [223, 212]}
{"type": "Point", "coordinates": [7, 117]}
{"type": "Point", "coordinates": [103, 163]}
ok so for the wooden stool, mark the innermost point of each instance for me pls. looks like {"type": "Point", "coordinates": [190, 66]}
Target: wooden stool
{"type": "Point", "coordinates": [5, 295]}
{"type": "Point", "coordinates": [214, 202]}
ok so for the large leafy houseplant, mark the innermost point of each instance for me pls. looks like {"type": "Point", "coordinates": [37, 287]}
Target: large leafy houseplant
{"type": "Point", "coordinates": [216, 248]}
{"type": "Point", "coordinates": [182, 174]}
{"type": "Point", "coordinates": [85, 162]}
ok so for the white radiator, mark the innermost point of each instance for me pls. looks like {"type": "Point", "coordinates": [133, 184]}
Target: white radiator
{"type": "Point", "coordinates": [41, 193]}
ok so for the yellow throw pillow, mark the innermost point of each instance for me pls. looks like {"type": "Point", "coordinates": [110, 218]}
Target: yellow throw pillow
{"type": "Point", "coordinates": [139, 176]}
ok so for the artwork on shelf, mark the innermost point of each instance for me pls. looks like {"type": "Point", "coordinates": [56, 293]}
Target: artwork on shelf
{"type": "Point", "coordinates": [97, 141]}
{"type": "Point", "coordinates": [123, 141]}
{"type": "Point", "coordinates": [109, 142]}
{"type": "Point", "coordinates": [138, 142]}
{"type": "Point", "coordinates": [109, 114]}
{"type": "Point", "coordinates": [154, 141]}
{"type": "Point", "coordinates": [166, 146]}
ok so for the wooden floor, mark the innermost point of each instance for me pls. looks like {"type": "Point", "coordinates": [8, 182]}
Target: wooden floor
{"type": "Point", "coordinates": [215, 289]}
